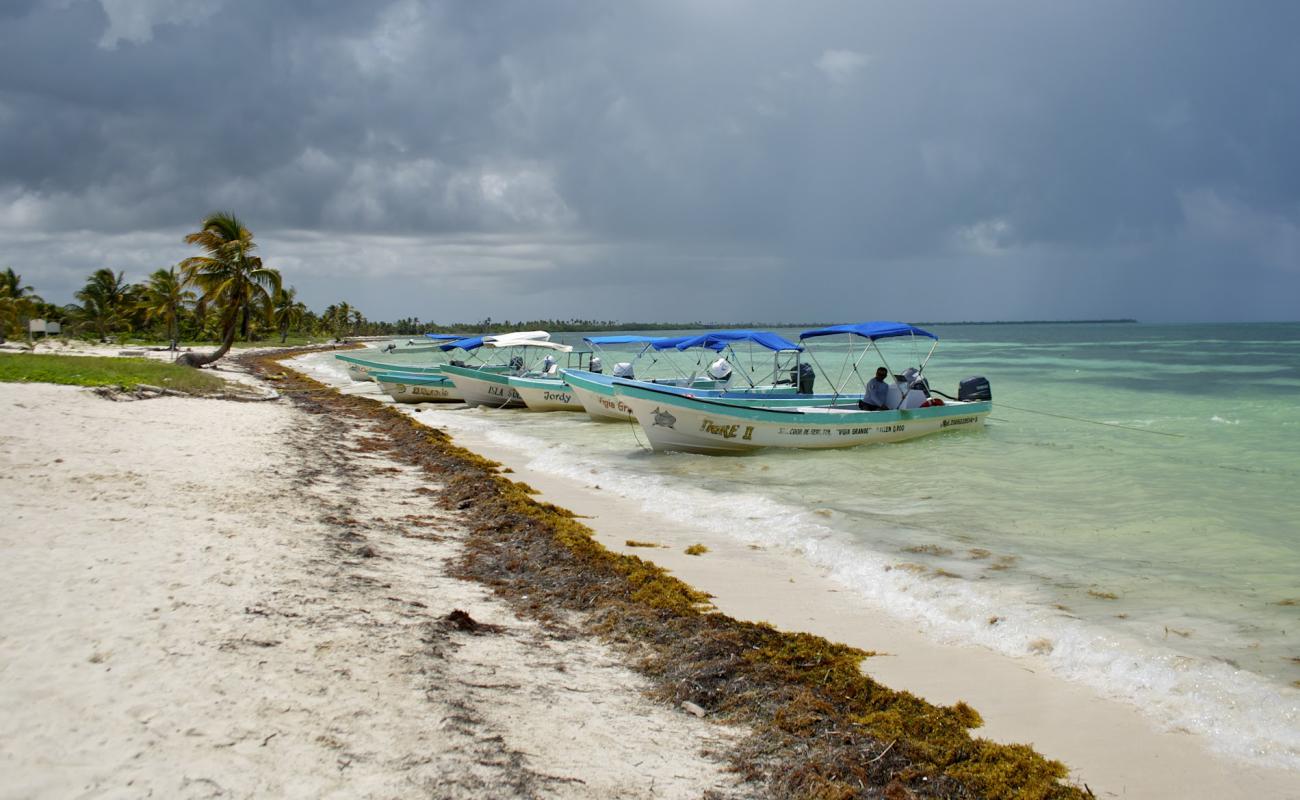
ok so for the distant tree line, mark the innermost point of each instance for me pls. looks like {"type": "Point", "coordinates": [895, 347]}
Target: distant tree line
{"type": "Point", "coordinates": [227, 294]}
{"type": "Point", "coordinates": [220, 296]}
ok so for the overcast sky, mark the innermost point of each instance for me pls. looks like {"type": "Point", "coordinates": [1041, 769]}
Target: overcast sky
{"type": "Point", "coordinates": [670, 160]}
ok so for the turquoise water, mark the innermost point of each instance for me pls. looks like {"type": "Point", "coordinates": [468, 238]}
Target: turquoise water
{"type": "Point", "coordinates": [1161, 569]}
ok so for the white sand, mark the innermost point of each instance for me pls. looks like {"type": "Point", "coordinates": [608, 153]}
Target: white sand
{"type": "Point", "coordinates": [1108, 745]}
{"type": "Point", "coordinates": [187, 612]}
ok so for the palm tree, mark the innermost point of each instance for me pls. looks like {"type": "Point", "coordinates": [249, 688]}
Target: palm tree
{"type": "Point", "coordinates": [288, 311]}
{"type": "Point", "coordinates": [165, 298]}
{"type": "Point", "coordinates": [230, 278]}
{"type": "Point", "coordinates": [17, 303]}
{"type": "Point", "coordinates": [103, 300]}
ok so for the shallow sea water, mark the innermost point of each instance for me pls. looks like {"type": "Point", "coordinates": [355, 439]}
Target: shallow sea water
{"type": "Point", "coordinates": [1164, 570]}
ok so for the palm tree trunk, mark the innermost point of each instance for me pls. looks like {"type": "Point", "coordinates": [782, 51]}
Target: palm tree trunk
{"type": "Point", "coordinates": [199, 360]}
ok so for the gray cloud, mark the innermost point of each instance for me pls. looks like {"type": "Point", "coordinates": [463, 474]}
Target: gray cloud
{"type": "Point", "coordinates": [669, 159]}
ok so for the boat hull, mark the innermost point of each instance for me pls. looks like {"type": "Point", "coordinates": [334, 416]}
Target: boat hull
{"type": "Point", "coordinates": [597, 398]}
{"type": "Point", "coordinates": [479, 388]}
{"type": "Point", "coordinates": [545, 394]}
{"type": "Point", "coordinates": [421, 392]}
{"type": "Point", "coordinates": [693, 425]}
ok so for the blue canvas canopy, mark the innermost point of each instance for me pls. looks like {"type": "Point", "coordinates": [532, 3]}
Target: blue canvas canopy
{"type": "Point", "coordinates": [717, 340]}
{"type": "Point", "coordinates": [445, 337]}
{"type": "Point", "coordinates": [673, 342]}
{"type": "Point", "coordinates": [627, 339]}
{"type": "Point", "coordinates": [870, 330]}
{"type": "Point", "coordinates": [469, 343]}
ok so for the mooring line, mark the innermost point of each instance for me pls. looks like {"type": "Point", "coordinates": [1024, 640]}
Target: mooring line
{"type": "Point", "coordinates": [1092, 421]}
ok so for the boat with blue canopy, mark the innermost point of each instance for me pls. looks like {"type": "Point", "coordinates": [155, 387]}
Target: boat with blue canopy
{"type": "Point", "coordinates": [645, 354]}
{"type": "Point", "coordinates": [673, 420]}
{"type": "Point", "coordinates": [736, 367]}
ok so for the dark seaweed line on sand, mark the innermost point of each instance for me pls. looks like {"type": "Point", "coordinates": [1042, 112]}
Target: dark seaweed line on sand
{"type": "Point", "coordinates": [822, 729]}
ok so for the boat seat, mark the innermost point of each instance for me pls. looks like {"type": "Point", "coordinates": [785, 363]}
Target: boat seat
{"type": "Point", "coordinates": [914, 399]}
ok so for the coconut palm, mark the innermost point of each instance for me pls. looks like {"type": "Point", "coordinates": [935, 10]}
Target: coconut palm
{"type": "Point", "coordinates": [230, 277]}
{"type": "Point", "coordinates": [104, 300]}
{"type": "Point", "coordinates": [287, 312]}
{"type": "Point", "coordinates": [17, 303]}
{"type": "Point", "coordinates": [165, 298]}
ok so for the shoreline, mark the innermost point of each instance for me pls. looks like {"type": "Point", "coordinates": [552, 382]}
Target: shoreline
{"type": "Point", "coordinates": [1108, 744]}
{"type": "Point", "coordinates": [749, 584]}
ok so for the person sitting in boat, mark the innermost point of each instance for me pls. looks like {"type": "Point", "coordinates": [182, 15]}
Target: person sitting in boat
{"type": "Point", "coordinates": [876, 396]}
{"type": "Point", "coordinates": [548, 365]}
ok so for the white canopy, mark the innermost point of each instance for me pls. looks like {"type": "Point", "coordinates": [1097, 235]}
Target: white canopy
{"type": "Point", "coordinates": [515, 338]}
{"type": "Point", "coordinates": [563, 348]}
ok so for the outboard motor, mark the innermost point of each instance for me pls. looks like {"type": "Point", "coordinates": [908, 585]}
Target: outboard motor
{"type": "Point", "coordinates": [517, 363]}
{"type": "Point", "coordinates": [595, 365]}
{"type": "Point", "coordinates": [804, 378]}
{"type": "Point", "coordinates": [720, 370]}
{"type": "Point", "coordinates": [914, 380]}
{"type": "Point", "coordinates": [390, 347]}
{"type": "Point", "coordinates": [456, 362]}
{"type": "Point", "coordinates": [623, 369]}
{"type": "Point", "coordinates": [974, 388]}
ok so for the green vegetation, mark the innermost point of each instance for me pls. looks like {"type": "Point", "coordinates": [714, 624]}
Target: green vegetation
{"type": "Point", "coordinates": [128, 373]}
{"type": "Point", "coordinates": [696, 550]}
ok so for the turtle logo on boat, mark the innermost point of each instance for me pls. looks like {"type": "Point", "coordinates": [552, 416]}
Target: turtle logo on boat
{"type": "Point", "coordinates": [663, 419]}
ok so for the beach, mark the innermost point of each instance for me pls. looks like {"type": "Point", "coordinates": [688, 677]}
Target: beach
{"type": "Point", "coordinates": [216, 599]}
{"type": "Point", "coordinates": [248, 599]}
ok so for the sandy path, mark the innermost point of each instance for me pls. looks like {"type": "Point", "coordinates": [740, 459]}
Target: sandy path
{"type": "Point", "coordinates": [212, 599]}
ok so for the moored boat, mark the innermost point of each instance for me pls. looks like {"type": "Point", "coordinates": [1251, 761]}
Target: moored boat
{"type": "Point", "coordinates": [596, 394]}
{"type": "Point", "coordinates": [423, 358]}
{"type": "Point", "coordinates": [673, 420]}
{"type": "Point", "coordinates": [702, 425]}
{"type": "Point", "coordinates": [491, 388]}
{"type": "Point", "coordinates": [408, 387]}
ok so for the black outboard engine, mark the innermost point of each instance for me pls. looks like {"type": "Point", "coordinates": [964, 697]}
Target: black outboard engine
{"type": "Point", "coordinates": [973, 388]}
{"type": "Point", "coordinates": [456, 362]}
{"type": "Point", "coordinates": [517, 363]}
{"type": "Point", "coordinates": [804, 378]}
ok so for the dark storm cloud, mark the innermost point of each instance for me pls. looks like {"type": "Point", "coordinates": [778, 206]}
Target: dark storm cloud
{"type": "Point", "coordinates": [670, 160]}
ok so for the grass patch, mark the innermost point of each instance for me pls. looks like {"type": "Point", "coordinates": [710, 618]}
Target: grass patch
{"type": "Point", "coordinates": [635, 543]}
{"type": "Point", "coordinates": [128, 373]}
{"type": "Point", "coordinates": [821, 727]}
{"type": "Point", "coordinates": [696, 550]}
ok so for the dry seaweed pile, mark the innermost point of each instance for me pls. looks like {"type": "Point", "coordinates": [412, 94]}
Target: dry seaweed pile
{"type": "Point", "coordinates": [822, 729]}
